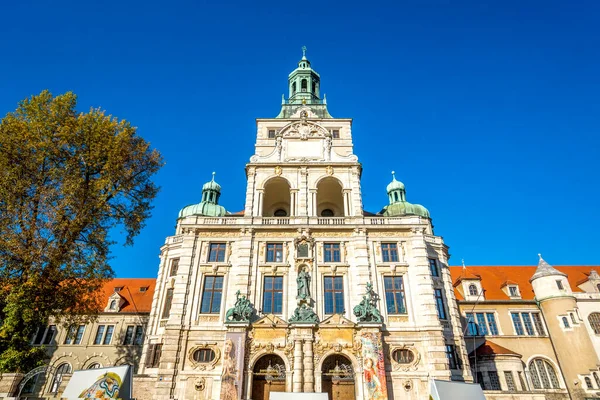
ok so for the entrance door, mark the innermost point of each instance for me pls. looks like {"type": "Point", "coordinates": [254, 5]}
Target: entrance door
{"type": "Point", "coordinates": [269, 376]}
{"type": "Point", "coordinates": [338, 378]}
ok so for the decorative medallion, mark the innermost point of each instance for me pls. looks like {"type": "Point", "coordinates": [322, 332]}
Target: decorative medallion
{"type": "Point", "coordinates": [329, 170]}
{"type": "Point", "coordinates": [278, 170]}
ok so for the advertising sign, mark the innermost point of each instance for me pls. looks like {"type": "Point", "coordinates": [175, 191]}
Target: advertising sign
{"type": "Point", "coordinates": [101, 383]}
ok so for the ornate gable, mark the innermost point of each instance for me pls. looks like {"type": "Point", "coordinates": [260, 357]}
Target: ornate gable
{"type": "Point", "coordinates": [269, 321]}
{"type": "Point", "coordinates": [336, 321]}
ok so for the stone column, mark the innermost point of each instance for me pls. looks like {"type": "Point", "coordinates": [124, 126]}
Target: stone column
{"type": "Point", "coordinates": [297, 376]}
{"type": "Point", "coordinates": [309, 373]}
{"type": "Point", "coordinates": [249, 377]}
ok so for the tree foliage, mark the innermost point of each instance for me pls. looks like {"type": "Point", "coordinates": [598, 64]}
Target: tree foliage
{"type": "Point", "coordinates": [66, 179]}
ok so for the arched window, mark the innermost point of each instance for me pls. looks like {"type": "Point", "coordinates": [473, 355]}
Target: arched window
{"type": "Point", "coordinates": [327, 213]}
{"type": "Point", "coordinates": [473, 290]}
{"type": "Point", "coordinates": [588, 383]}
{"type": "Point", "coordinates": [113, 305]}
{"type": "Point", "coordinates": [594, 320]}
{"type": "Point", "coordinates": [598, 287]}
{"type": "Point", "coordinates": [596, 379]}
{"type": "Point", "coordinates": [203, 355]}
{"type": "Point", "coordinates": [280, 212]}
{"type": "Point", "coordinates": [565, 321]}
{"type": "Point", "coordinates": [543, 375]}
{"type": "Point", "coordinates": [62, 369]}
{"type": "Point", "coordinates": [94, 366]}
{"type": "Point", "coordinates": [304, 85]}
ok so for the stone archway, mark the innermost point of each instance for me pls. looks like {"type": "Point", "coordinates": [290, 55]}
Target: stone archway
{"type": "Point", "coordinates": [268, 376]}
{"type": "Point", "coordinates": [338, 377]}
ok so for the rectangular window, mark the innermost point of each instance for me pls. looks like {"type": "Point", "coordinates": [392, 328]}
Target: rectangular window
{"type": "Point", "coordinates": [491, 319]}
{"type": "Point", "coordinates": [75, 334]}
{"type": "Point", "coordinates": [471, 325]}
{"type": "Point", "coordinates": [39, 336]}
{"type": "Point", "coordinates": [517, 324]}
{"type": "Point", "coordinates": [216, 252]}
{"type": "Point", "coordinates": [389, 252]}
{"type": "Point", "coordinates": [559, 285]}
{"type": "Point", "coordinates": [273, 295]}
{"type": "Point", "coordinates": [332, 252]}
{"type": "Point", "coordinates": [211, 295]}
{"type": "Point", "coordinates": [528, 324]}
{"type": "Point", "coordinates": [271, 133]}
{"type": "Point", "coordinates": [522, 381]}
{"type": "Point", "coordinates": [510, 381]}
{"type": "Point", "coordinates": [335, 133]}
{"type": "Point", "coordinates": [174, 267]}
{"type": "Point", "coordinates": [134, 335]}
{"type": "Point", "coordinates": [167, 307]}
{"type": "Point", "coordinates": [153, 355]}
{"type": "Point", "coordinates": [129, 335]}
{"type": "Point", "coordinates": [50, 335]}
{"type": "Point", "coordinates": [99, 334]}
{"type": "Point", "coordinates": [334, 295]}
{"type": "Point", "coordinates": [274, 252]}
{"type": "Point", "coordinates": [433, 268]}
{"type": "Point", "coordinates": [514, 291]}
{"type": "Point", "coordinates": [439, 302]}
{"type": "Point", "coordinates": [109, 333]}
{"type": "Point", "coordinates": [481, 324]}
{"type": "Point", "coordinates": [494, 380]}
{"type": "Point", "coordinates": [539, 326]}
{"type": "Point", "coordinates": [453, 359]}
{"type": "Point", "coordinates": [480, 379]}
{"type": "Point", "coordinates": [394, 294]}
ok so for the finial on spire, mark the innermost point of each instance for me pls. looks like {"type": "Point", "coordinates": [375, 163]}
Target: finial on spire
{"type": "Point", "coordinates": [213, 176]}
{"type": "Point", "coordinates": [303, 51]}
{"type": "Point", "coordinates": [394, 175]}
{"type": "Point", "coordinates": [540, 256]}
{"type": "Point", "coordinates": [282, 99]}
{"type": "Point", "coordinates": [463, 264]}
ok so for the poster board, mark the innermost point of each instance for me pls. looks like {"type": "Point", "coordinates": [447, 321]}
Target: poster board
{"type": "Point", "coordinates": [449, 390]}
{"type": "Point", "coordinates": [111, 383]}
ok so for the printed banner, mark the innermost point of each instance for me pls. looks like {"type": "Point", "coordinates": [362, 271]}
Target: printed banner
{"type": "Point", "coordinates": [373, 366]}
{"type": "Point", "coordinates": [100, 383]}
{"type": "Point", "coordinates": [232, 377]}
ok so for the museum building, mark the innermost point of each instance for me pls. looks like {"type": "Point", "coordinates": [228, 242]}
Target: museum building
{"type": "Point", "coordinates": [305, 291]}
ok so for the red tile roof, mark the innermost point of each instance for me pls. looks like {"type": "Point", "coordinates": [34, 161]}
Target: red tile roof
{"type": "Point", "coordinates": [136, 301]}
{"type": "Point", "coordinates": [489, 348]}
{"type": "Point", "coordinates": [493, 278]}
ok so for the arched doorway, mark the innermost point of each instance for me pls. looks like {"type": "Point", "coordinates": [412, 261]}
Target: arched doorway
{"type": "Point", "coordinates": [338, 378]}
{"type": "Point", "coordinates": [269, 376]}
{"type": "Point", "coordinates": [276, 200]}
{"type": "Point", "coordinates": [330, 199]}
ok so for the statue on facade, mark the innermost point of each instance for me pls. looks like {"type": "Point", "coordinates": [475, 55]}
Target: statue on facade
{"type": "Point", "coordinates": [278, 146]}
{"type": "Point", "coordinates": [303, 281]}
{"type": "Point", "coordinates": [327, 148]}
{"type": "Point", "coordinates": [303, 314]}
{"type": "Point", "coordinates": [241, 311]}
{"type": "Point", "coordinates": [366, 310]}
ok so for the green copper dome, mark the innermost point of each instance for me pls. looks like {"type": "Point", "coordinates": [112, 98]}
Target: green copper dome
{"type": "Point", "coordinates": [394, 184]}
{"type": "Point", "coordinates": [209, 206]}
{"type": "Point", "coordinates": [398, 205]}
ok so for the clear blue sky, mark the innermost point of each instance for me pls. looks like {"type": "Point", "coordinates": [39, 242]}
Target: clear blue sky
{"type": "Point", "coordinates": [488, 111]}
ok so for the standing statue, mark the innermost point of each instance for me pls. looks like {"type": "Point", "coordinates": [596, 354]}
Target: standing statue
{"type": "Point", "coordinates": [303, 281]}
{"type": "Point", "coordinates": [327, 148]}
{"type": "Point", "coordinates": [278, 146]}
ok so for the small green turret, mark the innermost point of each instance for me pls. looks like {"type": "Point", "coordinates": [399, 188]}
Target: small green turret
{"type": "Point", "coordinates": [209, 206]}
{"type": "Point", "coordinates": [398, 205]}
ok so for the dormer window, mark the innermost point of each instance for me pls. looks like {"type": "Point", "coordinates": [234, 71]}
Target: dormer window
{"type": "Point", "coordinates": [113, 305]}
{"type": "Point", "coordinates": [472, 290]}
{"type": "Point", "coordinates": [143, 289]}
{"type": "Point", "coordinates": [118, 288]}
{"type": "Point", "coordinates": [513, 291]}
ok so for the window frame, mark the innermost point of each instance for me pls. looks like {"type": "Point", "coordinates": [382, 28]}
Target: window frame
{"type": "Point", "coordinates": [213, 289]}
{"type": "Point", "coordinates": [75, 334]}
{"type": "Point", "coordinates": [516, 291]}
{"type": "Point", "coordinates": [219, 250]}
{"type": "Point", "coordinates": [272, 249]}
{"type": "Point", "coordinates": [495, 383]}
{"type": "Point", "coordinates": [330, 253]}
{"type": "Point", "coordinates": [167, 303]}
{"type": "Point", "coordinates": [509, 378]}
{"type": "Point", "coordinates": [454, 361]}
{"type": "Point", "coordinates": [545, 382]}
{"type": "Point", "coordinates": [533, 323]}
{"type": "Point", "coordinates": [153, 355]}
{"type": "Point", "coordinates": [433, 267]}
{"type": "Point", "coordinates": [595, 325]}
{"type": "Point", "coordinates": [440, 304]}
{"type": "Point", "coordinates": [271, 293]}
{"type": "Point", "coordinates": [473, 286]}
{"type": "Point", "coordinates": [204, 350]}
{"type": "Point", "coordinates": [334, 293]}
{"type": "Point", "coordinates": [174, 267]}
{"type": "Point", "coordinates": [389, 252]}
{"type": "Point", "coordinates": [475, 319]}
{"type": "Point", "coordinates": [394, 292]}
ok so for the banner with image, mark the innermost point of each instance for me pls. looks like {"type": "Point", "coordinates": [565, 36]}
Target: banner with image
{"type": "Point", "coordinates": [232, 377]}
{"type": "Point", "coordinates": [373, 366]}
{"type": "Point", "coordinates": [100, 383]}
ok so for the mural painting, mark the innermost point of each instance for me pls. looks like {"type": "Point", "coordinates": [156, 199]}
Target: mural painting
{"type": "Point", "coordinates": [373, 366]}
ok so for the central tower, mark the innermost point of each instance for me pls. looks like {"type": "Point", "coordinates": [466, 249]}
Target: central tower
{"type": "Point", "coordinates": [304, 164]}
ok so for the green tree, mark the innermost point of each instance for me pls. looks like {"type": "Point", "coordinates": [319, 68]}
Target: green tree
{"type": "Point", "coordinates": [66, 180]}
